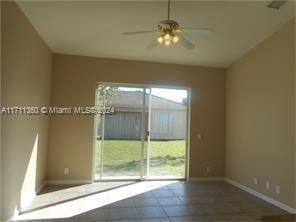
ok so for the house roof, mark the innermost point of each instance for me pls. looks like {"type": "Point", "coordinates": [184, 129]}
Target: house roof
{"type": "Point", "coordinates": [134, 100]}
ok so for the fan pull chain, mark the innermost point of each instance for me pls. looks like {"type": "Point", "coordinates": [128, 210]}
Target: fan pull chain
{"type": "Point", "coordinates": [169, 9]}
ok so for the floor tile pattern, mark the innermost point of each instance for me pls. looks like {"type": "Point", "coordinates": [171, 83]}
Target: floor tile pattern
{"type": "Point", "coordinates": [181, 202]}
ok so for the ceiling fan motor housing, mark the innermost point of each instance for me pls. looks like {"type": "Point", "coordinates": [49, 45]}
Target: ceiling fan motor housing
{"type": "Point", "coordinates": [168, 26]}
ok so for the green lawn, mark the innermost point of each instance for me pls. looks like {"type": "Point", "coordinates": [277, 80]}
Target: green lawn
{"type": "Point", "coordinates": [122, 157]}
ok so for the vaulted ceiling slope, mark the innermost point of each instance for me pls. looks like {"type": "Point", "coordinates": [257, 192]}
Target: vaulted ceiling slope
{"type": "Point", "coordinates": [94, 28]}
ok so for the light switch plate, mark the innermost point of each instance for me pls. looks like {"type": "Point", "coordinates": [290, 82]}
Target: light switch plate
{"type": "Point", "coordinates": [66, 171]}
{"type": "Point", "coordinates": [255, 180]}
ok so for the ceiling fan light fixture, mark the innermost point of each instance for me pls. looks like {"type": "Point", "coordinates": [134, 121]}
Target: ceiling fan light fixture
{"type": "Point", "coordinates": [176, 39]}
{"type": "Point", "coordinates": [167, 36]}
{"type": "Point", "coordinates": [168, 39]}
{"type": "Point", "coordinates": [167, 42]}
{"type": "Point", "coordinates": [160, 39]}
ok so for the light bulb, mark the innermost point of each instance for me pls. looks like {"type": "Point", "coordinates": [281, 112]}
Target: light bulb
{"type": "Point", "coordinates": [160, 39]}
{"type": "Point", "coordinates": [167, 42]}
{"type": "Point", "coordinates": [166, 36]}
{"type": "Point", "coordinates": [176, 39]}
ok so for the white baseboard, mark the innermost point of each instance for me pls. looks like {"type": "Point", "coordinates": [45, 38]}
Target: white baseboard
{"type": "Point", "coordinates": [206, 179]}
{"type": "Point", "coordinates": [67, 182]}
{"type": "Point", "coordinates": [262, 196]}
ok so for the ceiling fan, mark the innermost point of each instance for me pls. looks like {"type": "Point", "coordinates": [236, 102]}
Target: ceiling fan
{"type": "Point", "coordinates": [169, 32]}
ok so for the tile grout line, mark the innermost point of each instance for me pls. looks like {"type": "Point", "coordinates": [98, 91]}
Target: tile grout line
{"type": "Point", "coordinates": [160, 205]}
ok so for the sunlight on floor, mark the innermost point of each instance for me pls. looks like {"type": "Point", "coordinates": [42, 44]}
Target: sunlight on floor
{"type": "Point", "coordinates": [94, 201]}
{"type": "Point", "coordinates": [29, 183]}
{"type": "Point", "coordinates": [54, 194]}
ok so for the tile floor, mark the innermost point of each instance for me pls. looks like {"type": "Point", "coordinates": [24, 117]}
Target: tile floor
{"type": "Point", "coordinates": [161, 201]}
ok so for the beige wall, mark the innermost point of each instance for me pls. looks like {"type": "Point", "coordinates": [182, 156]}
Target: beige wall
{"type": "Point", "coordinates": [0, 120]}
{"type": "Point", "coordinates": [74, 82]}
{"type": "Point", "coordinates": [295, 107]}
{"type": "Point", "coordinates": [260, 114]}
{"type": "Point", "coordinates": [26, 76]}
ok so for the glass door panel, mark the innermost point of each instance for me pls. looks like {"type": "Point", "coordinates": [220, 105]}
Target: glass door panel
{"type": "Point", "coordinates": [166, 149]}
{"type": "Point", "coordinates": [119, 144]}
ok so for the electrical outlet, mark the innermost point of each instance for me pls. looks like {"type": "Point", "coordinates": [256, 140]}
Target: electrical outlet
{"type": "Point", "coordinates": [267, 185]}
{"type": "Point", "coordinates": [277, 189]}
{"type": "Point", "coordinates": [208, 169]}
{"type": "Point", "coordinates": [255, 180]}
{"type": "Point", "coordinates": [66, 171]}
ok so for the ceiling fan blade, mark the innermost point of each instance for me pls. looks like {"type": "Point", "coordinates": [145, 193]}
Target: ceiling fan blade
{"type": "Point", "coordinates": [187, 44]}
{"type": "Point", "coordinates": [152, 45]}
{"type": "Point", "coordinates": [138, 32]}
{"type": "Point", "coordinates": [199, 31]}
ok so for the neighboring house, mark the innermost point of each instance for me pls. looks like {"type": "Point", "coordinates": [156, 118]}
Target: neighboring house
{"type": "Point", "coordinates": [168, 118]}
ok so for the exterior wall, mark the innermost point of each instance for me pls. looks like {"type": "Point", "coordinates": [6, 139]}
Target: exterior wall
{"type": "Point", "coordinates": [260, 126]}
{"type": "Point", "coordinates": [127, 125]}
{"type": "Point", "coordinates": [26, 78]}
{"type": "Point", "coordinates": [123, 125]}
{"type": "Point", "coordinates": [173, 128]}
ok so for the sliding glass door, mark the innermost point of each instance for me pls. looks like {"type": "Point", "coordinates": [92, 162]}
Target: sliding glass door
{"type": "Point", "coordinates": [141, 134]}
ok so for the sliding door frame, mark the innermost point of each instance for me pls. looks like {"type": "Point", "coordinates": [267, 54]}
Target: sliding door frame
{"type": "Point", "coordinates": [143, 131]}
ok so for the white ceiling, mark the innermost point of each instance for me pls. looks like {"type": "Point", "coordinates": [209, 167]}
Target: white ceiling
{"type": "Point", "coordinates": [95, 28]}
